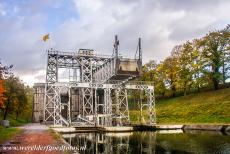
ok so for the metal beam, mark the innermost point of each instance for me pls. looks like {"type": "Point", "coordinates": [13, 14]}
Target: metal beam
{"type": "Point", "coordinates": [96, 73]}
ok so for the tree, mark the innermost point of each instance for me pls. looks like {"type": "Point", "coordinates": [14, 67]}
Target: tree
{"type": "Point", "coordinates": [198, 65]}
{"type": "Point", "coordinates": [149, 71]}
{"type": "Point", "coordinates": [2, 98]}
{"type": "Point", "coordinates": [214, 45]}
{"type": "Point", "coordinates": [4, 70]}
{"type": "Point", "coordinates": [152, 72]}
{"type": "Point", "coordinates": [225, 47]}
{"type": "Point", "coordinates": [21, 102]}
{"type": "Point", "coordinates": [15, 97]}
{"type": "Point", "coordinates": [160, 87]}
{"type": "Point", "coordinates": [10, 94]}
{"type": "Point", "coordinates": [184, 56]}
{"type": "Point", "coordinates": [27, 112]}
{"type": "Point", "coordinates": [15, 93]}
{"type": "Point", "coordinates": [170, 69]}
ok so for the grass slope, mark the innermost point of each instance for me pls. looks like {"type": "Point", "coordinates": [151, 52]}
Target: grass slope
{"type": "Point", "coordinates": [16, 122]}
{"type": "Point", "coordinates": [6, 133]}
{"type": "Point", "coordinates": [205, 107]}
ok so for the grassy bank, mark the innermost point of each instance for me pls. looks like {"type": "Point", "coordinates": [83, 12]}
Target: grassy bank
{"type": "Point", "coordinates": [6, 133]}
{"type": "Point", "coordinates": [205, 107]}
{"type": "Point", "coordinates": [16, 122]}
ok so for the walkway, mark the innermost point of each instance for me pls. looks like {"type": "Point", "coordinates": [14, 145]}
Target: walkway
{"type": "Point", "coordinates": [36, 136]}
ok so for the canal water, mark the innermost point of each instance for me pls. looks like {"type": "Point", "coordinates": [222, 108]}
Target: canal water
{"type": "Point", "coordinates": [167, 142]}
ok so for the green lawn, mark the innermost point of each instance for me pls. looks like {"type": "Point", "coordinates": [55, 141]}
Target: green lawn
{"type": "Point", "coordinates": [6, 133]}
{"type": "Point", "coordinates": [205, 107]}
{"type": "Point", "coordinates": [15, 122]}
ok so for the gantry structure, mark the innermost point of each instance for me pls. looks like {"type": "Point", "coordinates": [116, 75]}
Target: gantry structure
{"type": "Point", "coordinates": [95, 92]}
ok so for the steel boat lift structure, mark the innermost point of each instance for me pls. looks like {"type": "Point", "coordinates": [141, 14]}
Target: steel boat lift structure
{"type": "Point", "coordinates": [95, 93]}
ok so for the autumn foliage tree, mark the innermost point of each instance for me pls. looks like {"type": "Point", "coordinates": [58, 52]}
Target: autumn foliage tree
{"type": "Point", "coordinates": [214, 48]}
{"type": "Point", "coordinates": [193, 65]}
{"type": "Point", "coordinates": [4, 70]}
{"type": "Point", "coordinates": [2, 90]}
{"type": "Point", "coordinates": [15, 97]}
{"type": "Point", "coordinates": [16, 102]}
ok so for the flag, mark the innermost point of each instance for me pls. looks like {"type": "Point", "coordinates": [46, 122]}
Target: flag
{"type": "Point", "coordinates": [46, 37]}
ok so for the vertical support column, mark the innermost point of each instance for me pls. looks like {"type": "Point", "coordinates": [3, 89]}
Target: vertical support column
{"type": "Point", "coordinates": [96, 107]}
{"type": "Point", "coordinates": [68, 106]}
{"type": "Point", "coordinates": [52, 106]}
{"type": "Point", "coordinates": [49, 104]}
{"type": "Point", "coordinates": [107, 107]}
{"type": "Point", "coordinates": [45, 117]}
{"type": "Point", "coordinates": [116, 43]}
{"type": "Point", "coordinates": [115, 106]}
{"type": "Point", "coordinates": [142, 118]}
{"type": "Point", "coordinates": [87, 93]}
{"type": "Point", "coordinates": [122, 108]}
{"type": "Point", "coordinates": [52, 68]}
{"type": "Point", "coordinates": [140, 51]}
{"type": "Point", "coordinates": [151, 106]}
{"type": "Point", "coordinates": [52, 100]}
{"type": "Point", "coordinates": [57, 106]}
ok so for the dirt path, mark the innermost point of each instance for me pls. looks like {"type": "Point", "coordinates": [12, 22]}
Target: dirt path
{"type": "Point", "coordinates": [33, 135]}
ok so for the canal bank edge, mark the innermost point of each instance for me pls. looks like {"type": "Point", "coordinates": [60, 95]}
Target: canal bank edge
{"type": "Point", "coordinates": [201, 127]}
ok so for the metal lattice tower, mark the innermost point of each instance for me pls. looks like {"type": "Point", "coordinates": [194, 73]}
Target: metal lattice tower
{"type": "Point", "coordinates": [96, 91]}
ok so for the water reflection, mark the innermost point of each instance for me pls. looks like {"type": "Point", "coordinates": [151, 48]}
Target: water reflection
{"type": "Point", "coordinates": [99, 142]}
{"type": "Point", "coordinates": [151, 142]}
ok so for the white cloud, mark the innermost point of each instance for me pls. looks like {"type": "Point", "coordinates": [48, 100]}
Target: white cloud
{"type": "Point", "coordinates": [30, 79]}
{"type": "Point", "coordinates": [161, 28]}
{"type": "Point", "coordinates": [161, 24]}
{"type": "Point", "coordinates": [2, 10]}
{"type": "Point", "coordinates": [101, 20]}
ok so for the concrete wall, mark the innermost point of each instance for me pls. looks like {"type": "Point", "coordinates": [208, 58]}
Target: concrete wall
{"type": "Point", "coordinates": [38, 103]}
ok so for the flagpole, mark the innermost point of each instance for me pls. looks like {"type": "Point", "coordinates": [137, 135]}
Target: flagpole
{"type": "Point", "coordinates": [46, 38]}
{"type": "Point", "coordinates": [49, 45]}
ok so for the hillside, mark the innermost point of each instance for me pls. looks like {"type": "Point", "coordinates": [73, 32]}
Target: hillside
{"type": "Point", "coordinates": [205, 107]}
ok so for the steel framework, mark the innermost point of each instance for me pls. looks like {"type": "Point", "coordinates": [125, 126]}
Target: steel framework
{"type": "Point", "coordinates": [96, 91]}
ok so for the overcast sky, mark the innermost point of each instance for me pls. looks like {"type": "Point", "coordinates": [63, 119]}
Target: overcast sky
{"type": "Point", "coordinates": [74, 24]}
